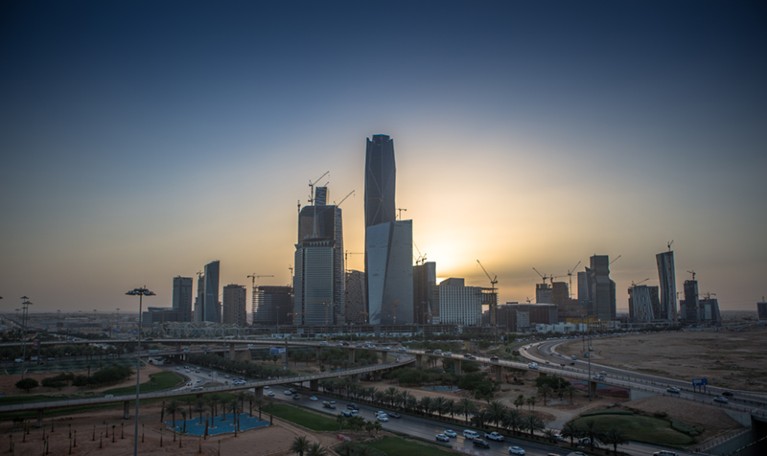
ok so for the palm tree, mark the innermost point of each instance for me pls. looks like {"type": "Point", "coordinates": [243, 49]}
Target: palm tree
{"type": "Point", "coordinates": [531, 402]}
{"type": "Point", "coordinates": [450, 407]}
{"type": "Point", "coordinates": [495, 412]}
{"type": "Point", "coordinates": [389, 395]}
{"type": "Point", "coordinates": [480, 418]}
{"type": "Point", "coordinates": [466, 407]}
{"type": "Point", "coordinates": [519, 401]}
{"type": "Point", "coordinates": [315, 449]}
{"type": "Point", "coordinates": [544, 391]}
{"type": "Point", "coordinates": [534, 424]}
{"type": "Point", "coordinates": [425, 405]}
{"type": "Point", "coordinates": [512, 420]}
{"type": "Point", "coordinates": [300, 445]}
{"type": "Point", "coordinates": [172, 408]}
{"type": "Point", "coordinates": [438, 404]}
{"type": "Point", "coordinates": [183, 419]}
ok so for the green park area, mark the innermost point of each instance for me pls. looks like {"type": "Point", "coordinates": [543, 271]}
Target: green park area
{"type": "Point", "coordinates": [657, 429]}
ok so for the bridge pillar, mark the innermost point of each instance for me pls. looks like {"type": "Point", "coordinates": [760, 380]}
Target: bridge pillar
{"type": "Point", "coordinates": [126, 410]}
{"type": "Point", "coordinates": [592, 389]}
{"type": "Point", "coordinates": [457, 366]}
{"type": "Point", "coordinates": [232, 352]}
{"type": "Point", "coordinates": [314, 385]}
{"type": "Point", "coordinates": [419, 361]}
{"type": "Point", "coordinates": [258, 392]}
{"type": "Point", "coordinates": [497, 372]}
{"type": "Point", "coordinates": [352, 356]}
{"type": "Point", "coordinates": [384, 356]}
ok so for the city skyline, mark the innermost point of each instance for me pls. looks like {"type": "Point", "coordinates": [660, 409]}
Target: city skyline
{"type": "Point", "coordinates": [141, 143]}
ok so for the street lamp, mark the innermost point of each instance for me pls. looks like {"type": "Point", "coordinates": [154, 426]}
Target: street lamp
{"type": "Point", "coordinates": [24, 314]}
{"type": "Point", "coordinates": [140, 292]}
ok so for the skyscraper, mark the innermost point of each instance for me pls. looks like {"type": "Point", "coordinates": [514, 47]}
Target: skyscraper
{"type": "Point", "coordinates": [459, 304]}
{"type": "Point", "coordinates": [274, 305]}
{"type": "Point", "coordinates": [182, 298]}
{"type": "Point", "coordinates": [425, 293]}
{"type": "Point", "coordinates": [601, 288]}
{"type": "Point", "coordinates": [380, 179]}
{"type": "Point", "coordinates": [667, 278]}
{"type": "Point", "coordinates": [691, 304]}
{"type": "Point", "coordinates": [210, 305]}
{"type": "Point", "coordinates": [234, 306]}
{"type": "Point", "coordinates": [388, 242]}
{"type": "Point", "coordinates": [319, 281]}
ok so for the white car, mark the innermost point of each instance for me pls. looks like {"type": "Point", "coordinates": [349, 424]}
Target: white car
{"type": "Point", "coordinates": [450, 433]}
{"type": "Point", "coordinates": [494, 436]}
{"type": "Point", "coordinates": [383, 418]}
{"type": "Point", "coordinates": [515, 450]}
{"type": "Point", "coordinates": [469, 434]}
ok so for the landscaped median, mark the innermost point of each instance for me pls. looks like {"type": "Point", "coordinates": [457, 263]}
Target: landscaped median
{"type": "Point", "coordinates": [632, 425]}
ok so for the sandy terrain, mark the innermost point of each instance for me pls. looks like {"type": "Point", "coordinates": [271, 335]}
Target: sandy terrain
{"type": "Point", "coordinates": [727, 358]}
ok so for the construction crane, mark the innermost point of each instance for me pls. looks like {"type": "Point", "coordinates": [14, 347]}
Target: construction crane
{"type": "Point", "coordinates": [543, 276]}
{"type": "Point", "coordinates": [616, 259]}
{"type": "Point", "coordinates": [344, 198]}
{"type": "Point", "coordinates": [346, 257]}
{"type": "Point", "coordinates": [253, 278]}
{"type": "Point", "coordinates": [668, 244]}
{"type": "Point", "coordinates": [494, 298]}
{"type": "Point", "coordinates": [693, 274]}
{"type": "Point", "coordinates": [633, 284]}
{"type": "Point", "coordinates": [311, 187]}
{"type": "Point", "coordinates": [570, 278]}
{"type": "Point", "coordinates": [421, 259]}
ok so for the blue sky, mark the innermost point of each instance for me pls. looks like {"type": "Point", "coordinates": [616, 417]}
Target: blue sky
{"type": "Point", "coordinates": [142, 140]}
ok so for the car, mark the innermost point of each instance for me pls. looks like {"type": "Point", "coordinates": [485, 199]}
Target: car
{"type": "Point", "coordinates": [287, 393]}
{"type": "Point", "coordinates": [441, 438]}
{"type": "Point", "coordinates": [494, 359]}
{"type": "Point", "coordinates": [267, 387]}
{"type": "Point", "coordinates": [469, 434]}
{"type": "Point", "coordinates": [494, 436]}
{"type": "Point", "coordinates": [450, 433]}
{"type": "Point", "coordinates": [673, 390]}
{"type": "Point", "coordinates": [516, 450]}
{"type": "Point", "coordinates": [721, 400]}
{"type": "Point", "coordinates": [479, 443]}
{"type": "Point", "coordinates": [270, 393]}
{"type": "Point", "coordinates": [296, 397]}
{"type": "Point", "coordinates": [312, 398]}
{"type": "Point", "coordinates": [347, 413]}
{"type": "Point", "coordinates": [352, 406]}
{"type": "Point", "coordinates": [382, 418]}
{"type": "Point", "coordinates": [664, 453]}
{"type": "Point", "coordinates": [395, 415]}
{"type": "Point", "coordinates": [727, 393]}
{"type": "Point", "coordinates": [532, 365]}
{"type": "Point", "coordinates": [328, 405]}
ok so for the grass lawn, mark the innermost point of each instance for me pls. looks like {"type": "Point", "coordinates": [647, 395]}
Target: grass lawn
{"type": "Point", "coordinates": [391, 445]}
{"type": "Point", "coordinates": [636, 427]}
{"type": "Point", "coordinates": [157, 382]}
{"type": "Point", "coordinates": [308, 419]}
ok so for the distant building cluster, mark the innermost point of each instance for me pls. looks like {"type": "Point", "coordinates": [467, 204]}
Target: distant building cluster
{"type": "Point", "coordinates": [393, 291]}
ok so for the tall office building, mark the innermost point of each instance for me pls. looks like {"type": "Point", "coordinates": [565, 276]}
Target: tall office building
{"type": "Point", "coordinates": [388, 242]}
{"type": "Point", "coordinates": [583, 289]}
{"type": "Point", "coordinates": [380, 179]}
{"type": "Point", "coordinates": [356, 298]}
{"type": "Point", "coordinates": [459, 304]}
{"type": "Point", "coordinates": [182, 298]}
{"type": "Point", "coordinates": [200, 299]}
{"type": "Point", "coordinates": [691, 304]}
{"type": "Point", "coordinates": [641, 304]}
{"type": "Point", "coordinates": [667, 278]}
{"type": "Point", "coordinates": [601, 288]}
{"type": "Point", "coordinates": [319, 280]}
{"type": "Point", "coordinates": [543, 294]}
{"type": "Point", "coordinates": [425, 293]}
{"type": "Point", "coordinates": [234, 308]}
{"type": "Point", "coordinates": [761, 309]}
{"type": "Point", "coordinates": [274, 305]}
{"type": "Point", "coordinates": [210, 305]}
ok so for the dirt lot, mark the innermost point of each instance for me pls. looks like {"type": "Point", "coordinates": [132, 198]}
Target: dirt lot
{"type": "Point", "coordinates": [728, 359]}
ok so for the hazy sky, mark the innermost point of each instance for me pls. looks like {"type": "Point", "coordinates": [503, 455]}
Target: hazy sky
{"type": "Point", "coordinates": [141, 140]}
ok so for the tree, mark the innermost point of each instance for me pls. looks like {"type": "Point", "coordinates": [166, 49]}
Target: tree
{"type": "Point", "coordinates": [614, 437]}
{"type": "Point", "coordinates": [172, 408]}
{"type": "Point", "coordinates": [519, 401]}
{"type": "Point", "coordinates": [512, 420]}
{"type": "Point", "coordinates": [315, 449]}
{"type": "Point", "coordinates": [534, 423]}
{"type": "Point", "coordinates": [466, 407]}
{"type": "Point", "coordinates": [27, 384]}
{"type": "Point", "coordinates": [571, 431]}
{"type": "Point", "coordinates": [300, 445]}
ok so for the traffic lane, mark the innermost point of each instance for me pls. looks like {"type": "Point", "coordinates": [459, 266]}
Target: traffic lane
{"type": "Point", "coordinates": [423, 428]}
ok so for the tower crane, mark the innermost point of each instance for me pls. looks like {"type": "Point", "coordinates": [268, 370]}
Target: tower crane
{"type": "Point", "coordinates": [633, 284]}
{"type": "Point", "coordinates": [344, 198]}
{"type": "Point", "coordinates": [312, 184]}
{"type": "Point", "coordinates": [616, 259]}
{"type": "Point", "coordinates": [693, 274]}
{"type": "Point", "coordinates": [570, 278]}
{"type": "Point", "coordinates": [543, 276]}
{"type": "Point", "coordinates": [253, 278]}
{"type": "Point", "coordinates": [668, 244]}
{"type": "Point", "coordinates": [421, 256]}
{"type": "Point", "coordinates": [494, 297]}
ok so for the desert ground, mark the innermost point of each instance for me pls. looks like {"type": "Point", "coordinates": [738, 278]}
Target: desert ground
{"type": "Point", "coordinates": [728, 359]}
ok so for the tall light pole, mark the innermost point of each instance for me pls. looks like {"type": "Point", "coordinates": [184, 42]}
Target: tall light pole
{"type": "Point", "coordinates": [24, 312]}
{"type": "Point", "coordinates": [140, 292]}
